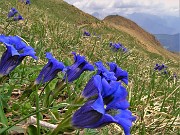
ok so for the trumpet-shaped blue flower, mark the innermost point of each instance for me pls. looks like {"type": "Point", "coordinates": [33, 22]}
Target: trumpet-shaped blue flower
{"type": "Point", "coordinates": [124, 49]}
{"type": "Point", "coordinates": [86, 34]}
{"type": "Point", "coordinates": [93, 87]}
{"type": "Point", "coordinates": [117, 46]}
{"type": "Point", "coordinates": [80, 65]}
{"type": "Point", "coordinates": [12, 12]}
{"type": "Point", "coordinates": [100, 68]}
{"type": "Point", "coordinates": [159, 67]}
{"type": "Point", "coordinates": [93, 115]}
{"type": "Point", "coordinates": [106, 104]}
{"type": "Point", "coordinates": [120, 74]}
{"type": "Point", "coordinates": [50, 70]}
{"type": "Point", "coordinates": [88, 114]}
{"type": "Point", "coordinates": [103, 72]}
{"type": "Point", "coordinates": [113, 94]}
{"type": "Point", "coordinates": [18, 18]}
{"type": "Point", "coordinates": [115, 98]}
{"type": "Point", "coordinates": [28, 2]}
{"type": "Point", "coordinates": [16, 51]}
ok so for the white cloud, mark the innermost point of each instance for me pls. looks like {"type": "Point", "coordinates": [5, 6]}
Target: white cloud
{"type": "Point", "coordinates": [123, 7]}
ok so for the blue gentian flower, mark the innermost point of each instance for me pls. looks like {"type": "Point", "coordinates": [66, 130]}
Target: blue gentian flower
{"type": "Point", "coordinates": [124, 49]}
{"type": "Point", "coordinates": [86, 34]}
{"type": "Point", "coordinates": [50, 70]}
{"type": "Point", "coordinates": [162, 67]}
{"type": "Point", "coordinates": [116, 46]}
{"type": "Point", "coordinates": [100, 68]}
{"type": "Point", "coordinates": [80, 65]}
{"type": "Point", "coordinates": [18, 18]}
{"type": "Point", "coordinates": [88, 114]}
{"type": "Point", "coordinates": [120, 74]}
{"type": "Point", "coordinates": [105, 73]}
{"type": "Point", "coordinates": [156, 67]}
{"type": "Point", "coordinates": [110, 44]}
{"type": "Point", "coordinates": [93, 115]}
{"type": "Point", "coordinates": [93, 87]}
{"type": "Point", "coordinates": [12, 12]}
{"type": "Point", "coordinates": [159, 67]}
{"type": "Point", "coordinates": [116, 97]}
{"type": "Point", "coordinates": [16, 51]}
{"type": "Point", "coordinates": [28, 2]}
{"type": "Point", "coordinates": [106, 102]}
{"type": "Point", "coordinates": [113, 94]}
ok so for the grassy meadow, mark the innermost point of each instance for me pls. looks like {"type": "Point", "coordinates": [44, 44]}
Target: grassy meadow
{"type": "Point", "coordinates": [56, 27]}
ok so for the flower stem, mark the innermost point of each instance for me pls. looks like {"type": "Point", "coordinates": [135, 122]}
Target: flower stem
{"type": "Point", "coordinates": [37, 110]}
{"type": "Point", "coordinates": [3, 118]}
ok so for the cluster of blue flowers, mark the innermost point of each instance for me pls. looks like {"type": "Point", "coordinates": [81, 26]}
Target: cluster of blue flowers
{"type": "Point", "coordinates": [17, 50]}
{"type": "Point", "coordinates": [106, 100]}
{"type": "Point", "coordinates": [161, 68]}
{"type": "Point", "coordinates": [118, 46]}
{"type": "Point", "coordinates": [50, 70]}
{"type": "Point", "coordinates": [86, 34]}
{"type": "Point", "coordinates": [13, 13]}
{"type": "Point", "coordinates": [106, 96]}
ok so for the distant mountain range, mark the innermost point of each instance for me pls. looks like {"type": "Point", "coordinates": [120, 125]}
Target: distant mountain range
{"type": "Point", "coordinates": [165, 28]}
{"type": "Point", "coordinates": [170, 42]}
{"type": "Point", "coordinates": [152, 23]}
{"type": "Point", "coordinates": [156, 24]}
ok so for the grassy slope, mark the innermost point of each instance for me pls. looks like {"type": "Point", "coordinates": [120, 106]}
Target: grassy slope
{"type": "Point", "coordinates": [147, 40]}
{"type": "Point", "coordinates": [53, 25]}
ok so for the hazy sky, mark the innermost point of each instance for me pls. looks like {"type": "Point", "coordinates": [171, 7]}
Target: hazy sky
{"type": "Point", "coordinates": [123, 7]}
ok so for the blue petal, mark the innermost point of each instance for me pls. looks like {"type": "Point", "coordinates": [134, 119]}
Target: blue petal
{"type": "Point", "coordinates": [50, 70]}
{"type": "Point", "coordinates": [86, 116]}
{"type": "Point", "coordinates": [9, 60]}
{"type": "Point", "coordinates": [125, 119]}
{"type": "Point", "coordinates": [29, 51]}
{"type": "Point", "coordinates": [106, 88]}
{"type": "Point", "coordinates": [28, 2]}
{"type": "Point", "coordinates": [17, 18]}
{"type": "Point", "coordinates": [119, 98]}
{"type": "Point", "coordinates": [86, 33]}
{"type": "Point", "coordinates": [4, 39]}
{"type": "Point", "coordinates": [98, 105]}
{"type": "Point", "coordinates": [9, 65]}
{"type": "Point", "coordinates": [100, 68]}
{"type": "Point", "coordinates": [17, 42]}
{"type": "Point", "coordinates": [12, 12]}
{"type": "Point", "coordinates": [88, 67]}
{"type": "Point", "coordinates": [93, 87]}
{"type": "Point", "coordinates": [105, 120]}
{"type": "Point", "coordinates": [109, 76]}
{"type": "Point", "coordinates": [80, 65]}
{"type": "Point", "coordinates": [119, 73]}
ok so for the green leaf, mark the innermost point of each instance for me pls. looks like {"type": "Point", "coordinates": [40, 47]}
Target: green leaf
{"type": "Point", "coordinates": [32, 130]}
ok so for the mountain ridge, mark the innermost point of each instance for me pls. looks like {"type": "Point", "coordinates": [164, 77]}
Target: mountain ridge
{"type": "Point", "coordinates": [148, 40]}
